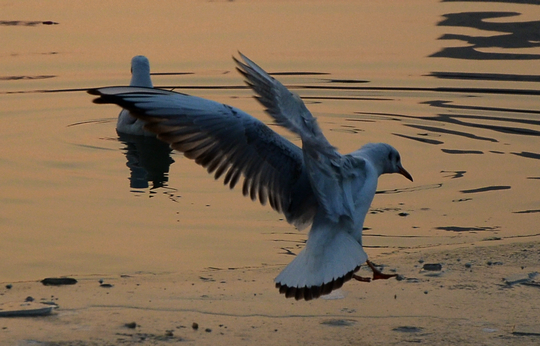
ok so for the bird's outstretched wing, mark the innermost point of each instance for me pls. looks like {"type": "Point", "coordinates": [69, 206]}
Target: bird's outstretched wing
{"type": "Point", "coordinates": [226, 141]}
{"type": "Point", "coordinates": [329, 171]}
{"type": "Point", "coordinates": [286, 107]}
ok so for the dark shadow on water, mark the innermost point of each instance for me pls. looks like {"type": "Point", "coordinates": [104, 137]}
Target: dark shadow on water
{"type": "Point", "coordinates": [465, 121]}
{"type": "Point", "coordinates": [410, 189]}
{"type": "Point", "coordinates": [514, 35]}
{"type": "Point", "coordinates": [451, 119]}
{"type": "Point", "coordinates": [327, 86]}
{"type": "Point", "coordinates": [27, 77]}
{"type": "Point", "coordinates": [450, 105]}
{"type": "Point", "coordinates": [148, 160]}
{"type": "Point", "coordinates": [26, 23]}
{"type": "Point", "coordinates": [461, 152]}
{"type": "Point", "coordinates": [420, 139]}
{"type": "Point", "coordinates": [486, 189]}
{"type": "Point", "coordinates": [451, 132]}
{"type": "Point", "coordinates": [455, 174]}
{"type": "Point", "coordinates": [499, 77]}
{"type": "Point", "coordinates": [530, 211]}
{"type": "Point", "coordinates": [346, 81]}
{"type": "Point", "coordinates": [528, 154]}
{"type": "Point", "coordinates": [466, 229]}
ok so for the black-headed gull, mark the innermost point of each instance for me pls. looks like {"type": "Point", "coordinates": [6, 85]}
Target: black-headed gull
{"type": "Point", "coordinates": [140, 77]}
{"type": "Point", "coordinates": [310, 185]}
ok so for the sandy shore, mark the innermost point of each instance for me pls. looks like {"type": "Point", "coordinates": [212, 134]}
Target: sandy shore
{"type": "Point", "coordinates": [466, 303]}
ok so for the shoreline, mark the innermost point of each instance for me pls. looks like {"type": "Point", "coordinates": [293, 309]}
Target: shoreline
{"type": "Point", "coordinates": [459, 304]}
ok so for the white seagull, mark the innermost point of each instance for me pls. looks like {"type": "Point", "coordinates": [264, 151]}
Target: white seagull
{"type": "Point", "coordinates": [310, 185]}
{"type": "Point", "coordinates": [140, 77]}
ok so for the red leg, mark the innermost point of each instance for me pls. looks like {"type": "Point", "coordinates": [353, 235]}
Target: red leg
{"type": "Point", "coordinates": [377, 274]}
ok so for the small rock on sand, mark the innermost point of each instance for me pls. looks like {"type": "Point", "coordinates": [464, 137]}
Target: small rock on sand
{"type": "Point", "coordinates": [58, 281]}
{"type": "Point", "coordinates": [131, 325]}
{"type": "Point", "coordinates": [432, 266]}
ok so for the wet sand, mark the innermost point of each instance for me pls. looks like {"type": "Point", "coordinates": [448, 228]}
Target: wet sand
{"type": "Point", "coordinates": [465, 303]}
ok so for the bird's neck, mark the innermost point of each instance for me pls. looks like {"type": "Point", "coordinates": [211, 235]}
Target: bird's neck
{"type": "Point", "coordinates": [141, 80]}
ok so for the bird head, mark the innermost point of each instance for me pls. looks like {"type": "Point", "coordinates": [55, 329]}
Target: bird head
{"type": "Point", "coordinates": [393, 163]}
{"type": "Point", "coordinates": [140, 72]}
{"type": "Point", "coordinates": [385, 158]}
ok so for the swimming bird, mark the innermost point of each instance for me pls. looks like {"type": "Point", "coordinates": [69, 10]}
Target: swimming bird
{"type": "Point", "coordinates": [314, 184]}
{"type": "Point", "coordinates": [140, 77]}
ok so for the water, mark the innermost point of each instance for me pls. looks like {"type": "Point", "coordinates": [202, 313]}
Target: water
{"type": "Point", "coordinates": [453, 85]}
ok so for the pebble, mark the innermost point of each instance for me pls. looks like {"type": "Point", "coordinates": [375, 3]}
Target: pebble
{"type": "Point", "coordinates": [432, 266]}
{"type": "Point", "coordinates": [195, 325]}
{"type": "Point", "coordinates": [131, 325]}
{"type": "Point", "coordinates": [490, 263]}
{"type": "Point", "coordinates": [407, 329]}
{"type": "Point", "coordinates": [58, 281]}
{"type": "Point", "coordinates": [9, 286]}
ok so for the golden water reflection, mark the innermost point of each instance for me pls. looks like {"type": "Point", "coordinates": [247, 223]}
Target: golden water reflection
{"type": "Point", "coordinates": [467, 129]}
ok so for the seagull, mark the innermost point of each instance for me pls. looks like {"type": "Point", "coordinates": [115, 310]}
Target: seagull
{"type": "Point", "coordinates": [140, 77]}
{"type": "Point", "coordinates": [312, 185]}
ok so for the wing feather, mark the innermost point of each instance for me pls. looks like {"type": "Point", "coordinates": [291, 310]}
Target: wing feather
{"type": "Point", "coordinates": [327, 170]}
{"type": "Point", "coordinates": [227, 142]}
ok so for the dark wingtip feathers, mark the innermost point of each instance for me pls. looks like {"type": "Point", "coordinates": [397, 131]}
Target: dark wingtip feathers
{"type": "Point", "coordinates": [314, 292]}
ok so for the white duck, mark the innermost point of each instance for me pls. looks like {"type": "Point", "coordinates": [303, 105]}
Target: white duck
{"type": "Point", "coordinates": [311, 185]}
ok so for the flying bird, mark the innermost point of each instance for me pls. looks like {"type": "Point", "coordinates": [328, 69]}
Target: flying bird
{"type": "Point", "coordinates": [312, 185]}
{"type": "Point", "coordinates": [140, 77]}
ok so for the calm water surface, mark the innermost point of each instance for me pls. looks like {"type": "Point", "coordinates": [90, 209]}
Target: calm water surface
{"type": "Point", "coordinates": [454, 85]}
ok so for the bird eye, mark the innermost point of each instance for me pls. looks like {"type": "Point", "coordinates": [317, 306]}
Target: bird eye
{"type": "Point", "coordinates": [390, 156]}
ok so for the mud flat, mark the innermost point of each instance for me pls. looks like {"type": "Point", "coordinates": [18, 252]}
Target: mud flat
{"type": "Point", "coordinates": [486, 293]}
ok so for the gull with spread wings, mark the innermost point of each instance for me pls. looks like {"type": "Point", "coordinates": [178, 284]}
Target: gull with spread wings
{"type": "Point", "coordinates": [313, 185]}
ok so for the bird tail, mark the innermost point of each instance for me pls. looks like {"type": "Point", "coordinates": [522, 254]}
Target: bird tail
{"type": "Point", "coordinates": [330, 258]}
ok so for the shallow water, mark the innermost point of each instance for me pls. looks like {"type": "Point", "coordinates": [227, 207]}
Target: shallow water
{"type": "Point", "coordinates": [453, 85]}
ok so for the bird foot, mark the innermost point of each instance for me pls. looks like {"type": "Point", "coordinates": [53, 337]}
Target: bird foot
{"type": "Point", "coordinates": [377, 274]}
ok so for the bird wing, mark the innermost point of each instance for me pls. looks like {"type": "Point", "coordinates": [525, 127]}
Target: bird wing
{"type": "Point", "coordinates": [330, 173]}
{"type": "Point", "coordinates": [226, 141]}
{"type": "Point", "coordinates": [286, 107]}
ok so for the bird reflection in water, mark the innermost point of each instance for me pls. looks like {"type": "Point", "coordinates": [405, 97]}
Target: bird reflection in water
{"type": "Point", "coordinates": [148, 160]}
